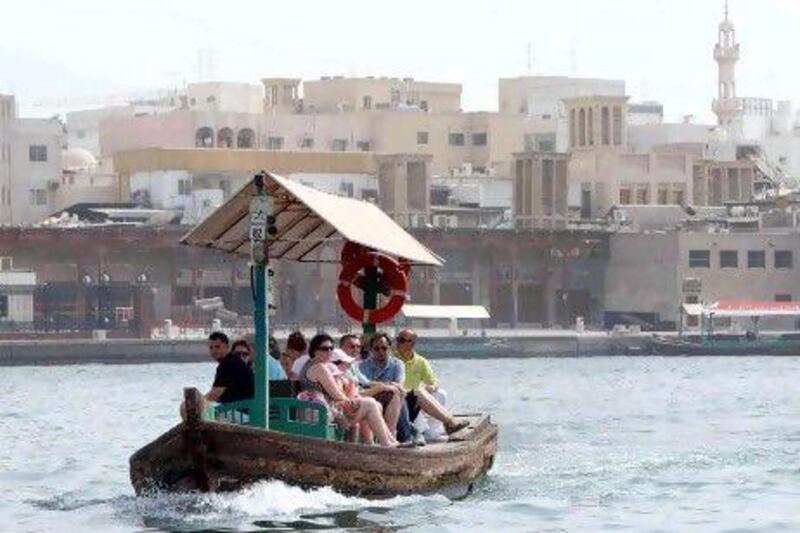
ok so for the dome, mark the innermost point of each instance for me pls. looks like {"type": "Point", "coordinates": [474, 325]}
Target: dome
{"type": "Point", "coordinates": [77, 159]}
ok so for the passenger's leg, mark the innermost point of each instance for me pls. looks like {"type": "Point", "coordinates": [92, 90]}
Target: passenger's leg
{"type": "Point", "coordinates": [370, 412]}
{"type": "Point", "coordinates": [429, 404]}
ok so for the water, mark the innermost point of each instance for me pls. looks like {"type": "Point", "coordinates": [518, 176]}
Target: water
{"type": "Point", "coordinates": [639, 444]}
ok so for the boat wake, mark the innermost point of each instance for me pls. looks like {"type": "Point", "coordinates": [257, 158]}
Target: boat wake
{"type": "Point", "coordinates": [267, 504]}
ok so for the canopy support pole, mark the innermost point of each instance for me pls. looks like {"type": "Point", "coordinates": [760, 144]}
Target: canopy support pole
{"type": "Point", "coordinates": [260, 213]}
{"type": "Point", "coordinates": [370, 298]}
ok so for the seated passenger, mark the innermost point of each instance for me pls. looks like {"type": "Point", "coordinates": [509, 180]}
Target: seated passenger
{"type": "Point", "coordinates": [296, 346]}
{"type": "Point", "coordinates": [233, 380]}
{"type": "Point", "coordinates": [382, 368]}
{"type": "Point", "coordinates": [323, 382]}
{"type": "Point", "coordinates": [245, 350]}
{"type": "Point", "coordinates": [420, 382]}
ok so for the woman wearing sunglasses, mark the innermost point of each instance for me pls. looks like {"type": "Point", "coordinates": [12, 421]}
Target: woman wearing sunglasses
{"type": "Point", "coordinates": [323, 382]}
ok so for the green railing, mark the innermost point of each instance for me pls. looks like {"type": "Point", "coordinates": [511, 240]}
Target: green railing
{"type": "Point", "coordinates": [286, 415]}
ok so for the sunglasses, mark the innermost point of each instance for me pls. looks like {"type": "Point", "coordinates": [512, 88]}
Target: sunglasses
{"type": "Point", "coordinates": [325, 348]}
{"type": "Point", "coordinates": [241, 352]}
{"type": "Point", "coordinates": [403, 340]}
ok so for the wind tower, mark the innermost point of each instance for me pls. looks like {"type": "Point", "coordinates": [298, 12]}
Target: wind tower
{"type": "Point", "coordinates": [726, 105]}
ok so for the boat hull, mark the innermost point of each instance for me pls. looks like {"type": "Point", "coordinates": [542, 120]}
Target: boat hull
{"type": "Point", "coordinates": [217, 457]}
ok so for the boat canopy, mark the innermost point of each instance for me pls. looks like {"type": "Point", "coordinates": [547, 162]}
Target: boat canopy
{"type": "Point", "coordinates": [445, 311]}
{"type": "Point", "coordinates": [751, 308]}
{"type": "Point", "coordinates": [306, 218]}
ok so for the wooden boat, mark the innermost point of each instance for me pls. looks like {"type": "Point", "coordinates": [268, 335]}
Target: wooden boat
{"type": "Point", "coordinates": [727, 344]}
{"type": "Point", "coordinates": [709, 342]}
{"type": "Point", "coordinates": [274, 435]}
{"type": "Point", "coordinates": [216, 456]}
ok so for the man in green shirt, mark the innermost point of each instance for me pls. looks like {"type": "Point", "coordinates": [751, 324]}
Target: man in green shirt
{"type": "Point", "coordinates": [420, 382]}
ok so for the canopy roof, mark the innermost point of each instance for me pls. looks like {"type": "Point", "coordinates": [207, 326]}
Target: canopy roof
{"type": "Point", "coordinates": [445, 311]}
{"type": "Point", "coordinates": [306, 218]}
{"type": "Point", "coordinates": [750, 308]}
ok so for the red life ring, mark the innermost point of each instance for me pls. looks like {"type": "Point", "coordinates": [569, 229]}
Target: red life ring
{"type": "Point", "coordinates": [394, 278]}
{"type": "Point", "coordinates": [353, 253]}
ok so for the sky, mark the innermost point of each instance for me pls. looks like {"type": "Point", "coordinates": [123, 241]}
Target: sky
{"type": "Point", "coordinates": [85, 50]}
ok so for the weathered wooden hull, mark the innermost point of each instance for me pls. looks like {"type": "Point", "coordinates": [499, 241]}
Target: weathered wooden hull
{"type": "Point", "coordinates": [215, 456]}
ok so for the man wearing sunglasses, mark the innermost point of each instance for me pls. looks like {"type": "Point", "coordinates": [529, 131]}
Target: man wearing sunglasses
{"type": "Point", "coordinates": [420, 382]}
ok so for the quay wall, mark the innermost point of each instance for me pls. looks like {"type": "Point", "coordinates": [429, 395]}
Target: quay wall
{"type": "Point", "coordinates": [143, 351]}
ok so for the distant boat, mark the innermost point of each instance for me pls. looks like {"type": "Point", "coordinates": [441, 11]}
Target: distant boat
{"type": "Point", "coordinates": [752, 342]}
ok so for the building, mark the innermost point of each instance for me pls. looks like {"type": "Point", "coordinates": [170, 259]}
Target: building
{"type": "Point", "coordinates": [647, 271]}
{"type": "Point", "coordinates": [16, 296]}
{"type": "Point", "coordinates": [30, 166]}
{"type": "Point", "coordinates": [540, 191]}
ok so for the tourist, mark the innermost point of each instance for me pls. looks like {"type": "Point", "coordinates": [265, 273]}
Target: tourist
{"type": "Point", "coordinates": [245, 350]}
{"type": "Point", "coordinates": [395, 413]}
{"type": "Point", "coordinates": [296, 347]}
{"type": "Point", "coordinates": [382, 368]}
{"type": "Point", "coordinates": [420, 383]}
{"type": "Point", "coordinates": [233, 380]}
{"type": "Point", "coordinates": [322, 382]}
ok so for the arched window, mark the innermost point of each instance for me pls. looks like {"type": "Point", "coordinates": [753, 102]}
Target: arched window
{"type": "Point", "coordinates": [591, 126]}
{"type": "Point", "coordinates": [225, 138]}
{"type": "Point", "coordinates": [246, 138]}
{"type": "Point", "coordinates": [204, 138]}
{"type": "Point", "coordinates": [605, 126]}
{"type": "Point", "coordinates": [582, 127]}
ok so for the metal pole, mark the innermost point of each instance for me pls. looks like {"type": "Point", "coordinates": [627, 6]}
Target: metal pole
{"type": "Point", "coordinates": [260, 209]}
{"type": "Point", "coordinates": [370, 298]}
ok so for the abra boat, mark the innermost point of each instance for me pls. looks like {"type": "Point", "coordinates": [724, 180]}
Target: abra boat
{"type": "Point", "coordinates": [274, 435]}
{"type": "Point", "coordinates": [709, 342]}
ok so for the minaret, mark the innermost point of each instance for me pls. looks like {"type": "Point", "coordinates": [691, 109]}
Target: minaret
{"type": "Point", "coordinates": [726, 54]}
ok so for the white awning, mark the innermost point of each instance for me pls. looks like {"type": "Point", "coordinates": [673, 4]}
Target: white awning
{"type": "Point", "coordinates": [693, 309]}
{"type": "Point", "coordinates": [306, 218]}
{"type": "Point", "coordinates": [445, 311]}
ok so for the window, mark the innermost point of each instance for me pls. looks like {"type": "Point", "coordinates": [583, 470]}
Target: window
{"type": "Point", "coordinates": [625, 196]}
{"type": "Point", "coordinates": [756, 259]}
{"type": "Point", "coordinates": [339, 145]}
{"type": "Point", "coordinates": [728, 259]}
{"type": "Point", "coordinates": [641, 196]}
{"type": "Point", "coordinates": [183, 188]}
{"type": "Point", "coordinates": [456, 139]}
{"type": "Point", "coordinates": [38, 197]}
{"type": "Point", "coordinates": [699, 259]}
{"type": "Point", "coordinates": [367, 103]}
{"type": "Point", "coordinates": [347, 189]}
{"type": "Point", "coordinates": [663, 196]}
{"type": "Point", "coordinates": [783, 297]}
{"type": "Point", "coordinates": [422, 137]}
{"type": "Point", "coordinates": [677, 197]}
{"type": "Point", "coordinates": [3, 305]}
{"type": "Point", "coordinates": [783, 259]}
{"type": "Point", "coordinates": [37, 152]}
{"type": "Point", "coordinates": [363, 146]}
{"type": "Point", "coordinates": [274, 143]}
{"type": "Point", "coordinates": [307, 142]}
{"type": "Point", "coordinates": [479, 139]}
{"type": "Point", "coordinates": [423, 104]}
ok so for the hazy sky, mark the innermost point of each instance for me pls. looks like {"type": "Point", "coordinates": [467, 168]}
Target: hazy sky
{"type": "Point", "coordinates": [662, 48]}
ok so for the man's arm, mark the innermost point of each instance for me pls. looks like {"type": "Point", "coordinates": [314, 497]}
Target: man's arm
{"type": "Point", "coordinates": [429, 377]}
{"type": "Point", "coordinates": [215, 394]}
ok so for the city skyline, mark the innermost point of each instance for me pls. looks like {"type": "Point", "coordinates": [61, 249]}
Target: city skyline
{"type": "Point", "coordinates": [671, 62]}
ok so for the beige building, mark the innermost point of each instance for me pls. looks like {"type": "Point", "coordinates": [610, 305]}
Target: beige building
{"type": "Point", "coordinates": [30, 165]}
{"type": "Point", "coordinates": [647, 271]}
{"type": "Point", "coordinates": [540, 190]}
{"type": "Point", "coordinates": [718, 182]}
